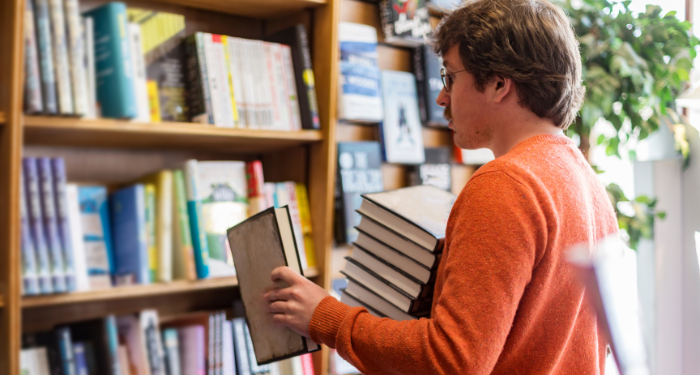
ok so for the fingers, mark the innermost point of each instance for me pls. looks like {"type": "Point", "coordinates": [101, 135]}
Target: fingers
{"type": "Point", "coordinates": [278, 307]}
{"type": "Point", "coordinates": [279, 295]}
{"type": "Point", "coordinates": [286, 274]}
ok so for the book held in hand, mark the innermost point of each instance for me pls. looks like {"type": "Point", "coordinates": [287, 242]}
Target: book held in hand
{"type": "Point", "coordinates": [260, 244]}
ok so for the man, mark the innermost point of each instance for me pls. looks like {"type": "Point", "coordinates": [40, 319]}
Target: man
{"type": "Point", "coordinates": [506, 302]}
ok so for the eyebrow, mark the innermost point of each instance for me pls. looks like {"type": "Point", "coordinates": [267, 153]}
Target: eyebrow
{"type": "Point", "coordinates": [446, 64]}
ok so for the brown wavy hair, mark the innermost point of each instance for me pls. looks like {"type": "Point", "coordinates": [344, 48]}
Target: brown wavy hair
{"type": "Point", "coordinates": [528, 41]}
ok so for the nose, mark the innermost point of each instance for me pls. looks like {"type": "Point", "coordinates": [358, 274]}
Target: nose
{"type": "Point", "coordinates": [443, 99]}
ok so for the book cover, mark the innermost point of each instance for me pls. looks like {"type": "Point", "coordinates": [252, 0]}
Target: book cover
{"type": "Point", "coordinates": [436, 171]}
{"type": "Point", "coordinates": [164, 52]}
{"type": "Point", "coordinates": [297, 38]}
{"type": "Point", "coordinates": [30, 275]}
{"type": "Point", "coordinates": [359, 172]}
{"type": "Point", "coordinates": [194, 210]}
{"type": "Point", "coordinates": [359, 97]}
{"type": "Point", "coordinates": [81, 365]}
{"type": "Point", "coordinates": [224, 196]}
{"type": "Point", "coordinates": [33, 102]}
{"type": "Point", "coordinates": [46, 65]}
{"type": "Point", "coordinates": [306, 226]}
{"type": "Point", "coordinates": [192, 348]}
{"type": "Point", "coordinates": [171, 347]}
{"type": "Point", "coordinates": [97, 240]}
{"type": "Point", "coordinates": [62, 273]}
{"type": "Point", "coordinates": [113, 66]}
{"type": "Point", "coordinates": [197, 84]}
{"type": "Point", "coordinates": [405, 22]}
{"type": "Point", "coordinates": [427, 67]}
{"type": "Point", "coordinates": [82, 281]}
{"type": "Point", "coordinates": [58, 174]}
{"type": "Point", "coordinates": [163, 183]}
{"type": "Point", "coordinates": [138, 67]}
{"type": "Point", "coordinates": [286, 196]}
{"type": "Point", "coordinates": [60, 58]}
{"type": "Point", "coordinates": [76, 49]}
{"type": "Point", "coordinates": [183, 252]}
{"type": "Point", "coordinates": [101, 334]}
{"type": "Point", "coordinates": [401, 131]}
{"type": "Point", "coordinates": [45, 271]}
{"type": "Point", "coordinates": [259, 245]}
{"type": "Point", "coordinates": [128, 209]}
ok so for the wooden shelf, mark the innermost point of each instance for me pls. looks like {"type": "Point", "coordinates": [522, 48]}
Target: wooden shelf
{"type": "Point", "coordinates": [66, 131]}
{"type": "Point", "coordinates": [2, 301]}
{"type": "Point", "coordinates": [2, 118]}
{"type": "Point", "coordinates": [134, 292]}
{"type": "Point", "coordinates": [250, 8]}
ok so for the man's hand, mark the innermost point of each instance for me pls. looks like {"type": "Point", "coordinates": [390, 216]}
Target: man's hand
{"type": "Point", "coordinates": [294, 305]}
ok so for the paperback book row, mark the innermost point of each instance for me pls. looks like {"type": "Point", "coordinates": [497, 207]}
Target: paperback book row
{"type": "Point", "coordinates": [394, 262]}
{"type": "Point", "coordinates": [201, 343]}
{"type": "Point", "coordinates": [166, 226]}
{"type": "Point", "coordinates": [359, 172]}
{"type": "Point", "coordinates": [131, 63]}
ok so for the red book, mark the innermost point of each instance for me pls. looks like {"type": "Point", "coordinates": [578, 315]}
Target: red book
{"type": "Point", "coordinates": [256, 187]}
{"type": "Point", "coordinates": [307, 364]}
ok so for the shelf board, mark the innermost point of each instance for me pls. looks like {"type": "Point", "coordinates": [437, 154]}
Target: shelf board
{"type": "Point", "coordinates": [68, 131]}
{"type": "Point", "coordinates": [250, 8]}
{"type": "Point", "coordinates": [133, 292]}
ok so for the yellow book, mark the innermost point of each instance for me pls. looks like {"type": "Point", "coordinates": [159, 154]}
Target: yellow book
{"type": "Point", "coordinates": [224, 41]}
{"type": "Point", "coordinates": [305, 213]}
{"type": "Point", "coordinates": [153, 100]}
{"type": "Point", "coordinates": [162, 183]}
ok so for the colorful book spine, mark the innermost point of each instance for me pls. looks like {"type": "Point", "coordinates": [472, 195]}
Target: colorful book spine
{"type": "Point", "coordinates": [30, 277]}
{"type": "Point", "coordinates": [171, 348]}
{"type": "Point", "coordinates": [218, 80]}
{"type": "Point", "coordinates": [293, 202]}
{"type": "Point", "coordinates": [194, 209]}
{"type": "Point", "coordinates": [76, 48]}
{"type": "Point", "coordinates": [33, 102]}
{"type": "Point", "coordinates": [229, 78]}
{"type": "Point", "coordinates": [36, 228]}
{"type": "Point", "coordinates": [309, 83]}
{"type": "Point", "coordinates": [60, 58]}
{"type": "Point", "coordinates": [64, 279]}
{"type": "Point", "coordinates": [143, 110]}
{"type": "Point", "coordinates": [183, 252]}
{"type": "Point", "coordinates": [46, 66]}
{"type": "Point", "coordinates": [65, 350]}
{"type": "Point", "coordinates": [151, 231]}
{"type": "Point", "coordinates": [89, 64]}
{"type": "Point", "coordinates": [81, 365]}
{"type": "Point", "coordinates": [234, 57]}
{"type": "Point", "coordinates": [58, 170]}
{"type": "Point", "coordinates": [256, 187]}
{"type": "Point", "coordinates": [115, 83]}
{"type": "Point", "coordinates": [97, 238]}
{"type": "Point", "coordinates": [198, 93]}
{"type": "Point", "coordinates": [82, 280]}
{"type": "Point", "coordinates": [128, 209]}
{"type": "Point", "coordinates": [307, 232]}
{"type": "Point", "coordinates": [112, 345]}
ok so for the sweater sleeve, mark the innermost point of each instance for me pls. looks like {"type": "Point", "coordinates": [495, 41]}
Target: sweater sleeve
{"type": "Point", "coordinates": [495, 232]}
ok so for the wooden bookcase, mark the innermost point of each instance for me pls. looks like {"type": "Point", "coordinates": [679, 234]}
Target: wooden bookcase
{"type": "Point", "coordinates": [114, 152]}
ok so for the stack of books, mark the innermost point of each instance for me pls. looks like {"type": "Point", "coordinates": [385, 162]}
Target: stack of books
{"type": "Point", "coordinates": [393, 265]}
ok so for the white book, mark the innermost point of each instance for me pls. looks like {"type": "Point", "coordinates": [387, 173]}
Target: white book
{"type": "Point", "coordinates": [263, 87]}
{"type": "Point", "coordinates": [286, 196]}
{"type": "Point", "coordinates": [291, 86]}
{"type": "Point", "coordinates": [82, 279]}
{"type": "Point", "coordinates": [273, 68]}
{"type": "Point", "coordinates": [254, 118]}
{"type": "Point", "coordinates": [228, 68]}
{"type": "Point", "coordinates": [235, 68]}
{"type": "Point", "coordinates": [215, 87]}
{"type": "Point", "coordinates": [26, 362]}
{"type": "Point", "coordinates": [393, 257]}
{"type": "Point", "coordinates": [138, 63]}
{"type": "Point", "coordinates": [223, 73]}
{"type": "Point", "coordinates": [229, 358]}
{"type": "Point", "coordinates": [91, 84]}
{"type": "Point", "coordinates": [77, 50]}
{"type": "Point", "coordinates": [150, 328]}
{"type": "Point", "coordinates": [60, 58]}
{"type": "Point", "coordinates": [41, 361]}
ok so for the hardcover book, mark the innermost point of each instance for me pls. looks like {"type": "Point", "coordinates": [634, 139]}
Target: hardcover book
{"type": "Point", "coordinates": [259, 245]}
{"type": "Point", "coordinates": [33, 103]}
{"type": "Point", "coordinates": [359, 172]}
{"type": "Point", "coordinates": [30, 275]}
{"type": "Point", "coordinates": [401, 131]}
{"type": "Point", "coordinates": [97, 239]}
{"type": "Point", "coordinates": [128, 209]}
{"type": "Point", "coordinates": [183, 252]}
{"type": "Point", "coordinates": [62, 276]}
{"type": "Point", "coordinates": [45, 47]}
{"type": "Point", "coordinates": [436, 171]}
{"type": "Point", "coordinates": [427, 65]}
{"type": "Point", "coordinates": [58, 184]}
{"type": "Point", "coordinates": [60, 58]}
{"type": "Point", "coordinates": [405, 22]}
{"type": "Point", "coordinates": [194, 210]}
{"type": "Point", "coordinates": [359, 97]}
{"type": "Point", "coordinates": [197, 83]}
{"type": "Point", "coordinates": [46, 273]}
{"type": "Point", "coordinates": [76, 49]}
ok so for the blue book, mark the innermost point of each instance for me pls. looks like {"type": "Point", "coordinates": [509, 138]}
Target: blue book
{"type": "Point", "coordinates": [46, 67]}
{"type": "Point", "coordinates": [113, 66]}
{"type": "Point", "coordinates": [171, 348]}
{"type": "Point", "coordinates": [36, 226]}
{"type": "Point", "coordinates": [194, 209]}
{"type": "Point", "coordinates": [58, 173]}
{"type": "Point", "coordinates": [48, 212]}
{"type": "Point", "coordinates": [30, 277]}
{"type": "Point", "coordinates": [128, 209]}
{"type": "Point", "coordinates": [97, 239]}
{"type": "Point", "coordinates": [100, 338]}
{"type": "Point", "coordinates": [65, 350]}
{"type": "Point", "coordinates": [80, 359]}
{"type": "Point", "coordinates": [241, 348]}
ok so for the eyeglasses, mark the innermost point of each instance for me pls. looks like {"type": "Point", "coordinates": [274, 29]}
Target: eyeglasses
{"type": "Point", "coordinates": [448, 79]}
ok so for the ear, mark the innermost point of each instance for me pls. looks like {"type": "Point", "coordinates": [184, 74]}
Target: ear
{"type": "Point", "coordinates": [500, 88]}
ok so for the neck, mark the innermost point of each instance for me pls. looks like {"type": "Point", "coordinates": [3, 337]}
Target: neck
{"type": "Point", "coordinates": [514, 132]}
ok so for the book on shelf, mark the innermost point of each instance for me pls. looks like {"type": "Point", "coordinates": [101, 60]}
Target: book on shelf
{"type": "Point", "coordinates": [426, 66]}
{"type": "Point", "coordinates": [89, 66]}
{"type": "Point", "coordinates": [60, 58]}
{"type": "Point", "coordinates": [45, 49]}
{"type": "Point", "coordinates": [33, 102]}
{"type": "Point", "coordinates": [359, 172]}
{"type": "Point", "coordinates": [162, 182]}
{"type": "Point", "coordinates": [31, 279]}
{"type": "Point", "coordinates": [436, 171]}
{"type": "Point", "coordinates": [194, 210]}
{"type": "Point", "coordinates": [259, 245]}
{"type": "Point", "coordinates": [101, 335]}
{"type": "Point", "coordinates": [128, 209]}
{"type": "Point", "coordinates": [76, 54]}
{"type": "Point", "coordinates": [138, 67]}
{"type": "Point", "coordinates": [401, 132]}
{"type": "Point", "coordinates": [405, 22]}
{"type": "Point", "coordinates": [82, 281]}
{"type": "Point", "coordinates": [96, 233]}
{"type": "Point", "coordinates": [359, 97]}
{"type": "Point", "coordinates": [183, 250]}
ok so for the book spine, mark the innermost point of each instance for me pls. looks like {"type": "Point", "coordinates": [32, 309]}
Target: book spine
{"type": "Point", "coordinates": [228, 366]}
{"type": "Point", "coordinates": [307, 364]}
{"type": "Point", "coordinates": [263, 89]}
{"type": "Point", "coordinates": [197, 80]}
{"type": "Point", "coordinates": [65, 350]}
{"type": "Point", "coordinates": [256, 187]}
{"type": "Point", "coordinates": [82, 282]}
{"type": "Point", "coordinates": [219, 343]}
{"type": "Point", "coordinates": [387, 19]}
{"type": "Point", "coordinates": [229, 78]}
{"type": "Point", "coordinates": [94, 214]}
{"type": "Point", "coordinates": [81, 366]}
{"type": "Point", "coordinates": [421, 81]}
{"type": "Point", "coordinates": [310, 110]}
{"type": "Point", "coordinates": [111, 345]}
{"type": "Point", "coordinates": [143, 109]}
{"type": "Point", "coordinates": [171, 348]}
{"type": "Point", "coordinates": [30, 277]}
{"type": "Point", "coordinates": [48, 77]}
{"type": "Point", "coordinates": [153, 101]}
{"type": "Point", "coordinates": [33, 102]}
{"type": "Point", "coordinates": [291, 87]}
{"type": "Point", "coordinates": [211, 343]}
{"type": "Point", "coordinates": [89, 61]}
{"type": "Point", "coordinates": [48, 212]}
{"type": "Point", "coordinates": [307, 232]}
{"type": "Point", "coordinates": [128, 209]}
{"type": "Point", "coordinates": [77, 50]}
{"type": "Point", "coordinates": [296, 222]}
{"type": "Point", "coordinates": [60, 58]}
{"type": "Point", "coordinates": [214, 80]}
{"type": "Point", "coordinates": [184, 250]}
{"type": "Point", "coordinates": [41, 361]}
{"type": "Point", "coordinates": [58, 170]}
{"type": "Point", "coordinates": [237, 80]}
{"type": "Point", "coordinates": [194, 209]}
{"type": "Point", "coordinates": [239, 342]}
{"type": "Point", "coordinates": [165, 226]}
{"type": "Point", "coordinates": [255, 368]}
{"type": "Point", "coordinates": [274, 90]}
{"type": "Point", "coordinates": [150, 200]}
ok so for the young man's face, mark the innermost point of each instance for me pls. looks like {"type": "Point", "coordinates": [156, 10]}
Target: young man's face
{"type": "Point", "coordinates": [465, 107]}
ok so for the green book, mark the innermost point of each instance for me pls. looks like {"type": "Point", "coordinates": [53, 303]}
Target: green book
{"type": "Point", "coordinates": [183, 253]}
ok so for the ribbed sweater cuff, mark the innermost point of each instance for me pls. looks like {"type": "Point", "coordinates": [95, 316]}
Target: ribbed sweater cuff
{"type": "Point", "coordinates": [326, 321]}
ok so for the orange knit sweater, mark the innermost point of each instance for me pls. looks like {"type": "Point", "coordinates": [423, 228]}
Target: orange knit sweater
{"type": "Point", "coordinates": [506, 302]}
